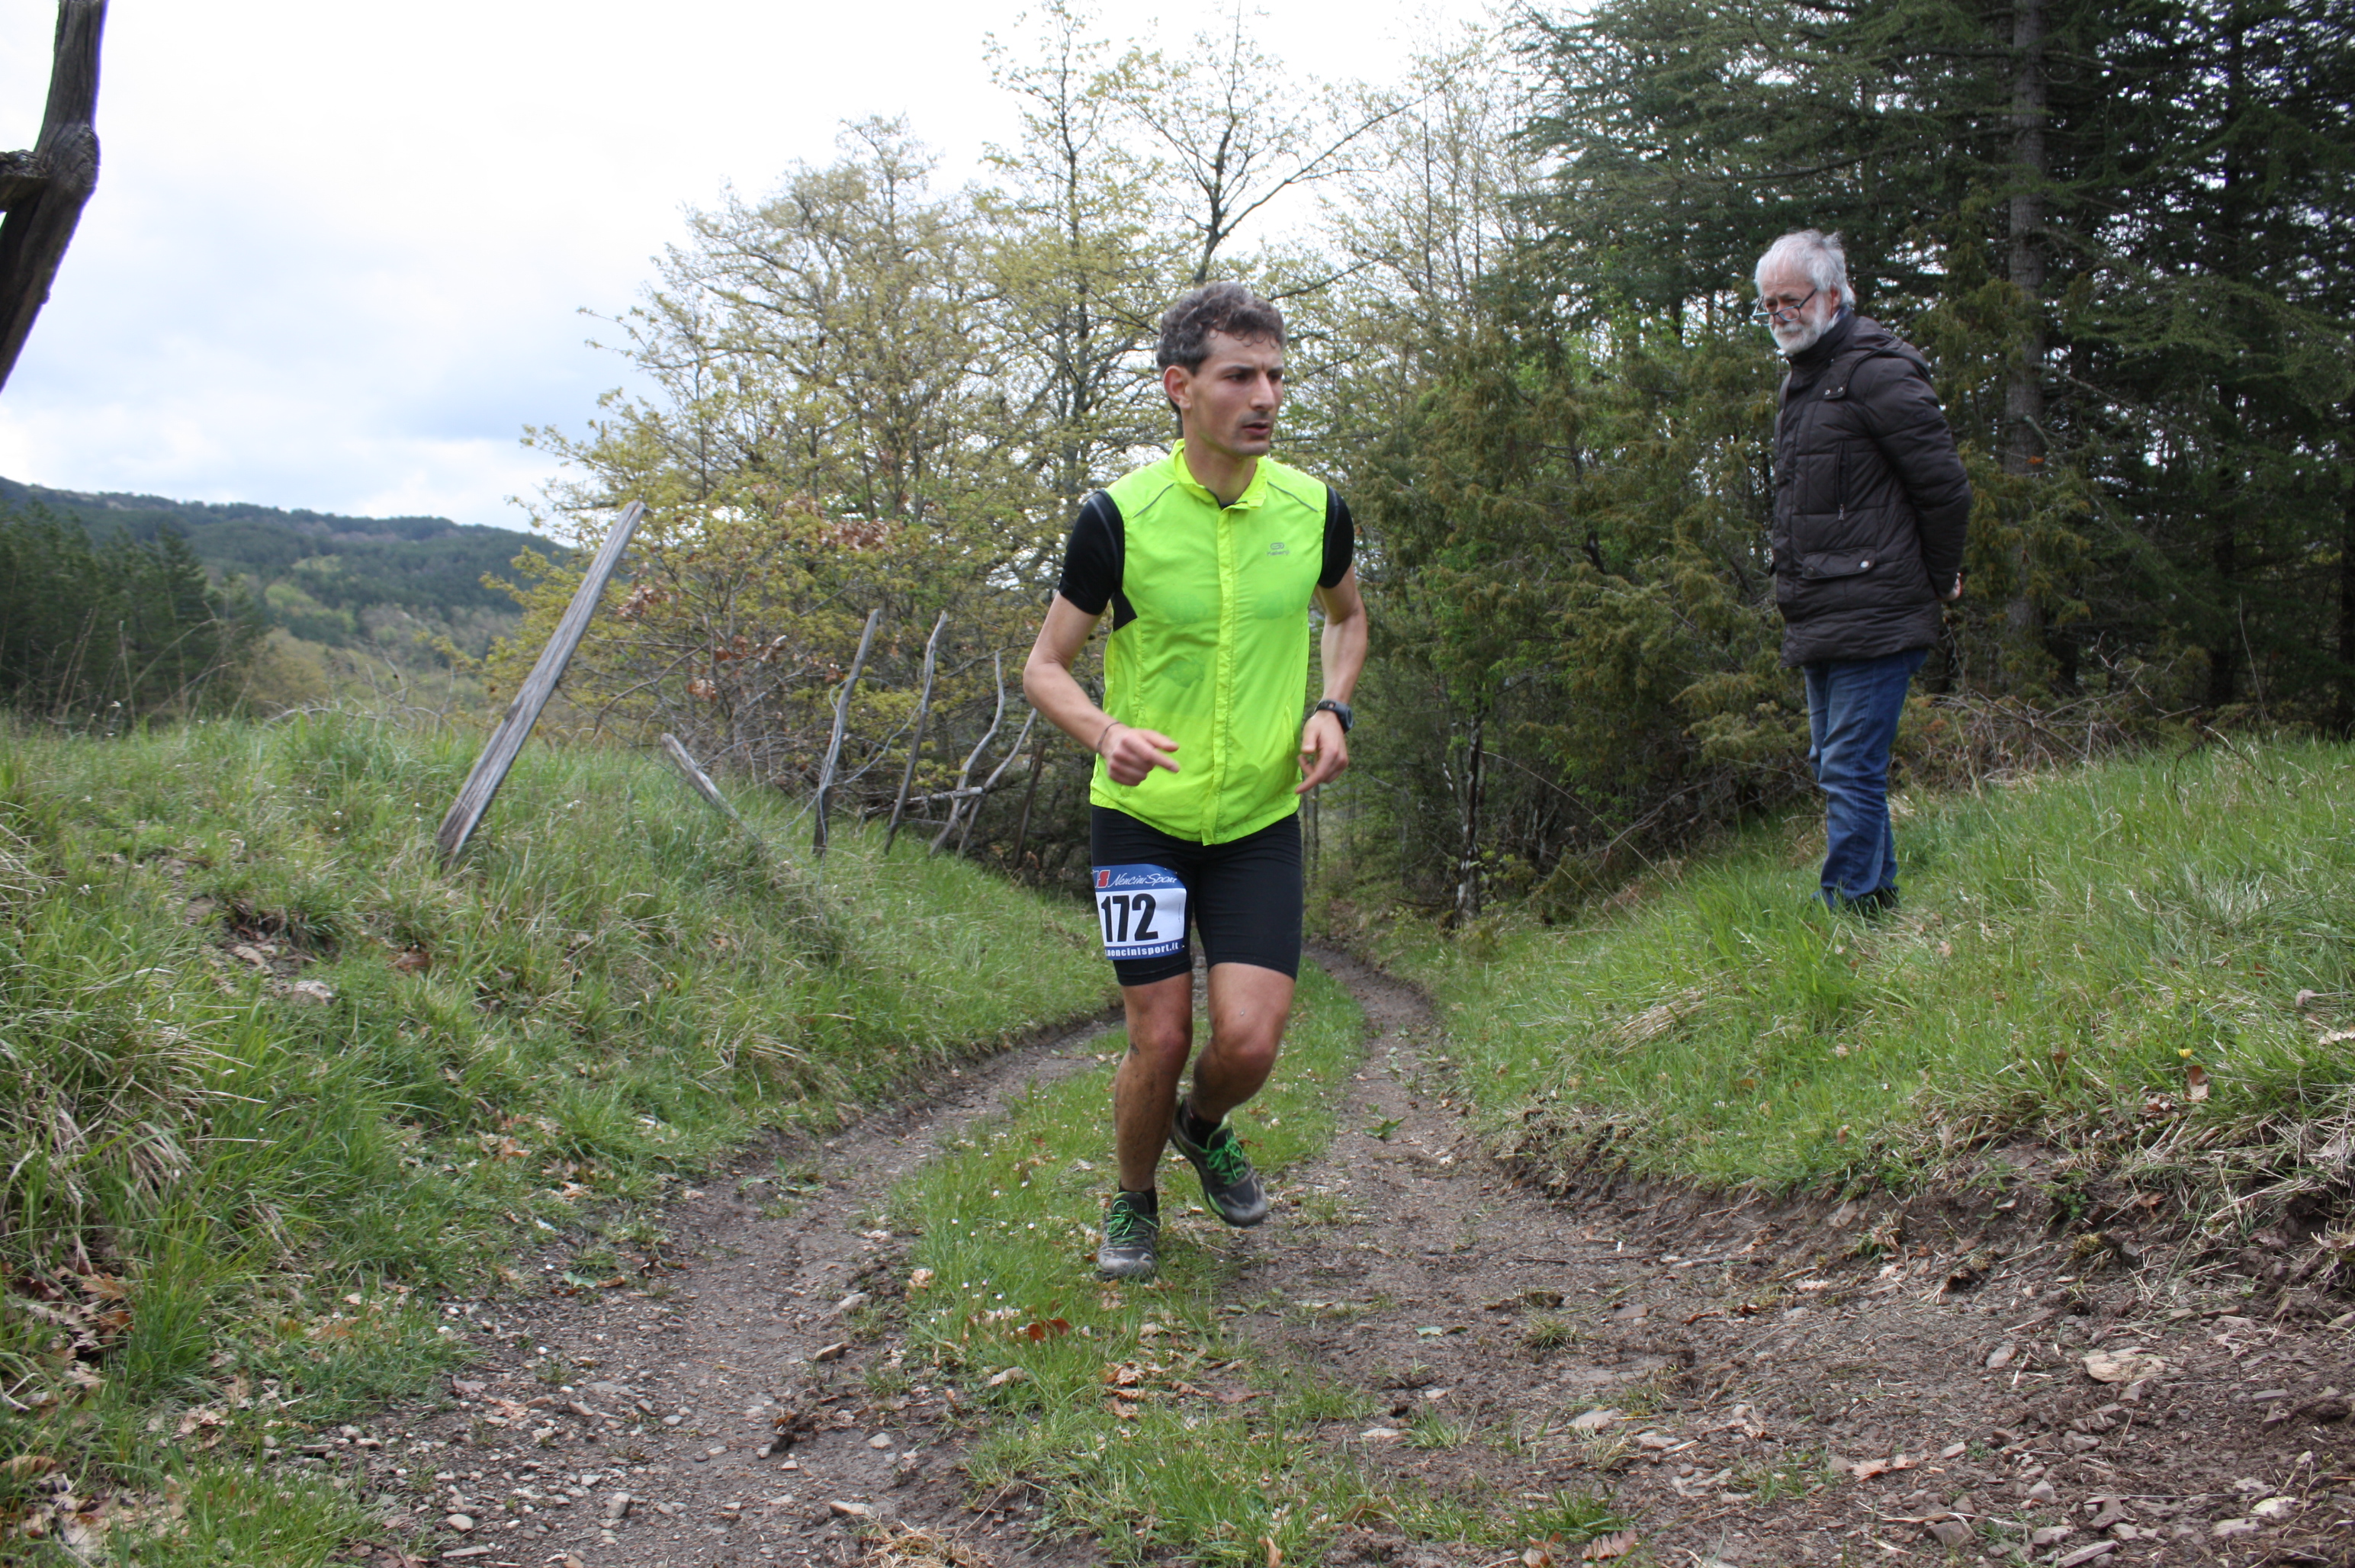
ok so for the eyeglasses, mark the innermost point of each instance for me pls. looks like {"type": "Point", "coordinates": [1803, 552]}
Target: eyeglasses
{"type": "Point", "coordinates": [1776, 314]}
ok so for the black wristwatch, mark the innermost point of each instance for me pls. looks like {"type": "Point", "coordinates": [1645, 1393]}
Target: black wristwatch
{"type": "Point", "coordinates": [1338, 710]}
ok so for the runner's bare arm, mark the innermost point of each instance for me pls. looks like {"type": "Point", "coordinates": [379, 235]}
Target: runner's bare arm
{"type": "Point", "coordinates": [1324, 744]}
{"type": "Point", "coordinates": [1046, 680]}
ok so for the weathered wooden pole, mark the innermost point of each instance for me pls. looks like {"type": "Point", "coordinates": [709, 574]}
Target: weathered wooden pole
{"type": "Point", "coordinates": [700, 783]}
{"type": "Point", "coordinates": [965, 776]}
{"type": "Point", "coordinates": [916, 746]}
{"type": "Point", "coordinates": [1030, 794]}
{"type": "Point", "coordinates": [490, 769]}
{"type": "Point", "coordinates": [981, 796]}
{"type": "Point", "coordinates": [42, 191]}
{"type": "Point", "coordinates": [833, 741]}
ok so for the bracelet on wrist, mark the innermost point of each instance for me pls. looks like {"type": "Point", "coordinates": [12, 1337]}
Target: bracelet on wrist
{"type": "Point", "coordinates": [1110, 725]}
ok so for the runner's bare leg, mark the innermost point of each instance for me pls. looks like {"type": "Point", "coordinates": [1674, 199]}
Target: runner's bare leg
{"type": "Point", "coordinates": [1249, 1007]}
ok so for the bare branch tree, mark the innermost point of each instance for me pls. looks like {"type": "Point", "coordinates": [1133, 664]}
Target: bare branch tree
{"type": "Point", "coordinates": [42, 191]}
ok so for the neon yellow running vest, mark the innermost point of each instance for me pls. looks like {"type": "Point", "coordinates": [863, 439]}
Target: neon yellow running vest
{"type": "Point", "coordinates": [1217, 656]}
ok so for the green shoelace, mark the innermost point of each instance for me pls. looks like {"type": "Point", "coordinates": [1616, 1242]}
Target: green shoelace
{"type": "Point", "coordinates": [1125, 1224]}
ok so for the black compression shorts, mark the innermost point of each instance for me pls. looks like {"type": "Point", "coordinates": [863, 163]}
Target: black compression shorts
{"type": "Point", "coordinates": [1244, 896]}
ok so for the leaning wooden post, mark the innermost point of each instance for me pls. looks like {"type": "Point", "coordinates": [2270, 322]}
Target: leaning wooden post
{"type": "Point", "coordinates": [491, 768]}
{"type": "Point", "coordinates": [981, 796]}
{"type": "Point", "coordinates": [916, 746]}
{"type": "Point", "coordinates": [957, 797]}
{"type": "Point", "coordinates": [833, 741]}
{"type": "Point", "coordinates": [700, 783]}
{"type": "Point", "coordinates": [1030, 794]}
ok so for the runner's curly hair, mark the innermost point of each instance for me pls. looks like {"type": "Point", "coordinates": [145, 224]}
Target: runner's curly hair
{"type": "Point", "coordinates": [1230, 308]}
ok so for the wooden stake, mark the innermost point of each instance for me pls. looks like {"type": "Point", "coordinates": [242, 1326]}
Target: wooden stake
{"type": "Point", "coordinates": [981, 795]}
{"type": "Point", "coordinates": [700, 783]}
{"type": "Point", "coordinates": [1022, 832]}
{"type": "Point", "coordinates": [965, 775]}
{"type": "Point", "coordinates": [916, 746]}
{"type": "Point", "coordinates": [490, 769]}
{"type": "Point", "coordinates": [833, 741]}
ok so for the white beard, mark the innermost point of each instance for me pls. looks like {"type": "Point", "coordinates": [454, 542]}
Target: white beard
{"type": "Point", "coordinates": [1799, 336]}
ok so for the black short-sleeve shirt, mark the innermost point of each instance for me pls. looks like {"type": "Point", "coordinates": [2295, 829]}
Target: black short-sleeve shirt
{"type": "Point", "coordinates": [1092, 559]}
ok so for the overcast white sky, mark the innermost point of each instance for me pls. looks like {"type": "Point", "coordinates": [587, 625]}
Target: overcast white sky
{"type": "Point", "coordinates": [337, 252]}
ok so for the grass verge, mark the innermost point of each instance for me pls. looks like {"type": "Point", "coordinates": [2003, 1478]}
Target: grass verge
{"type": "Point", "coordinates": [1140, 1418]}
{"type": "Point", "coordinates": [270, 1075]}
{"type": "Point", "coordinates": [2145, 969]}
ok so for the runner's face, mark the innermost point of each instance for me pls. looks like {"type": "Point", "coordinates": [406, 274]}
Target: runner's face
{"type": "Point", "coordinates": [1227, 406]}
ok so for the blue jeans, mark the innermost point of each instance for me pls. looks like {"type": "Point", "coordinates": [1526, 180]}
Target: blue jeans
{"type": "Point", "coordinates": [1852, 710]}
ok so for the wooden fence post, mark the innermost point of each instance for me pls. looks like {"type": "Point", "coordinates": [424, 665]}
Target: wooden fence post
{"type": "Point", "coordinates": [490, 769]}
{"type": "Point", "coordinates": [916, 746]}
{"type": "Point", "coordinates": [833, 741]}
{"type": "Point", "coordinates": [956, 801]}
{"type": "Point", "coordinates": [981, 796]}
{"type": "Point", "coordinates": [700, 783]}
{"type": "Point", "coordinates": [1022, 832]}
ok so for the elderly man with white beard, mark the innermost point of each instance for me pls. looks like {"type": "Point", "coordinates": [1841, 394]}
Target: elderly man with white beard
{"type": "Point", "coordinates": [1870, 501]}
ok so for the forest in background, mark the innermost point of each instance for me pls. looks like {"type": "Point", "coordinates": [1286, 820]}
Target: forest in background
{"type": "Point", "coordinates": [116, 608]}
{"type": "Point", "coordinates": [1517, 279]}
{"type": "Point", "coordinates": [1518, 283]}
{"type": "Point", "coordinates": [336, 581]}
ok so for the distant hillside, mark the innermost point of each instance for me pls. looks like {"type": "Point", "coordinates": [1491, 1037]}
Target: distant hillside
{"type": "Point", "coordinates": [333, 580]}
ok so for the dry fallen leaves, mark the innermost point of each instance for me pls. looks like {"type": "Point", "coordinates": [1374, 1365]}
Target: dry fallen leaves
{"type": "Point", "coordinates": [1603, 1548]}
{"type": "Point", "coordinates": [2195, 1083]}
{"type": "Point", "coordinates": [904, 1546]}
{"type": "Point", "coordinates": [213, 1425]}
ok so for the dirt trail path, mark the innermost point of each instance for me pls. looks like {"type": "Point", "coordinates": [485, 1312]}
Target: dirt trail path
{"type": "Point", "coordinates": [670, 1398]}
{"type": "Point", "coordinates": [1767, 1396]}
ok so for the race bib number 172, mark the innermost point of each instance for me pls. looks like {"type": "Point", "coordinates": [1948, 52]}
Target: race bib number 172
{"type": "Point", "coordinates": [1142, 909]}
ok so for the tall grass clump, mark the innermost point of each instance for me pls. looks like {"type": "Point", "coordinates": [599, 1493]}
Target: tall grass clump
{"type": "Point", "coordinates": [2145, 967]}
{"type": "Point", "coordinates": [271, 1074]}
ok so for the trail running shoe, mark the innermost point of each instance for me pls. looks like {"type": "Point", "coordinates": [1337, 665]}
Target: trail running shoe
{"type": "Point", "coordinates": [1228, 1179]}
{"type": "Point", "coordinates": [1129, 1234]}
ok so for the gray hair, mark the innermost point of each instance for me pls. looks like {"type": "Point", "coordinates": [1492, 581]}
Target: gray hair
{"type": "Point", "coordinates": [1816, 254]}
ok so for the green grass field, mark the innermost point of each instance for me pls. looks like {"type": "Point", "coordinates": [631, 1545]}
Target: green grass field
{"type": "Point", "coordinates": [268, 1070]}
{"type": "Point", "coordinates": [2148, 964]}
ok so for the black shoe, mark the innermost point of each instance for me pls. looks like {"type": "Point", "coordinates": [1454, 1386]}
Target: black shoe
{"type": "Point", "coordinates": [1871, 908]}
{"type": "Point", "coordinates": [1228, 1179]}
{"type": "Point", "coordinates": [1130, 1231]}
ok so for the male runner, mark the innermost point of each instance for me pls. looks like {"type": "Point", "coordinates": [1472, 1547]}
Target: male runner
{"type": "Point", "coordinates": [1208, 561]}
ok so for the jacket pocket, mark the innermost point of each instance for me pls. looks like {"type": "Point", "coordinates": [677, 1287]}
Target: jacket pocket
{"type": "Point", "coordinates": [1818, 565]}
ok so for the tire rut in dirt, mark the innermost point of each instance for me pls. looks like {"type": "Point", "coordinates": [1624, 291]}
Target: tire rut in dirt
{"type": "Point", "coordinates": [1769, 1385]}
{"type": "Point", "coordinates": [674, 1395]}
